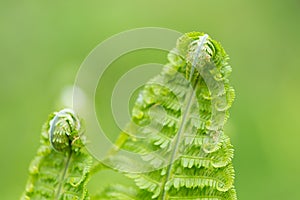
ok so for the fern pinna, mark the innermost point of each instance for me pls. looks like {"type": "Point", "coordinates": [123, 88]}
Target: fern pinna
{"type": "Point", "coordinates": [60, 169]}
{"type": "Point", "coordinates": [177, 127]}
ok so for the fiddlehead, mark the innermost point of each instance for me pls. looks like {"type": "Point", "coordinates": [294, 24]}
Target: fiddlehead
{"type": "Point", "coordinates": [64, 131]}
{"type": "Point", "coordinates": [61, 167]}
{"type": "Point", "coordinates": [185, 145]}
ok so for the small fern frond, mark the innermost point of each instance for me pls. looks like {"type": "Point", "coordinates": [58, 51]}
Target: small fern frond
{"type": "Point", "coordinates": [61, 168]}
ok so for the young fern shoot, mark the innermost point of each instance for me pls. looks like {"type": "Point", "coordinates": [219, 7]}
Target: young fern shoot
{"type": "Point", "coordinates": [177, 128]}
{"type": "Point", "coordinates": [61, 168]}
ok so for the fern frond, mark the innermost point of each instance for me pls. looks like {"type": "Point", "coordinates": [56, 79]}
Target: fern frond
{"type": "Point", "coordinates": [181, 129]}
{"type": "Point", "coordinates": [61, 168]}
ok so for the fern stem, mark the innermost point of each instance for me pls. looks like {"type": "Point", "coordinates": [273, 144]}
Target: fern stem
{"type": "Point", "coordinates": [178, 136]}
{"type": "Point", "coordinates": [97, 167]}
{"type": "Point", "coordinates": [63, 175]}
{"type": "Point", "coordinates": [117, 145]}
{"type": "Point", "coordinates": [197, 54]}
{"type": "Point", "coordinates": [185, 115]}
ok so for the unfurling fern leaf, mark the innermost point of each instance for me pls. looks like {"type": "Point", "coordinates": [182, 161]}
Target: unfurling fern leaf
{"type": "Point", "coordinates": [177, 126]}
{"type": "Point", "coordinates": [61, 168]}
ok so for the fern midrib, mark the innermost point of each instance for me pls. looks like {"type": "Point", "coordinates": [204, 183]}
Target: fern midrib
{"type": "Point", "coordinates": [178, 136]}
{"type": "Point", "coordinates": [190, 100]}
{"type": "Point", "coordinates": [60, 185]}
{"type": "Point", "coordinates": [202, 177]}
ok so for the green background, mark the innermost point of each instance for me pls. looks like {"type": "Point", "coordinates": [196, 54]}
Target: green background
{"type": "Point", "coordinates": [42, 45]}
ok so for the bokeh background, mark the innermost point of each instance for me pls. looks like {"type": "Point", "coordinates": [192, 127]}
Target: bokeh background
{"type": "Point", "coordinates": [43, 43]}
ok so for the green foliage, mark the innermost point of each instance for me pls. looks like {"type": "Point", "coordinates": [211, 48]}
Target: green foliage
{"type": "Point", "coordinates": [176, 127]}
{"type": "Point", "coordinates": [180, 130]}
{"type": "Point", "coordinates": [61, 168]}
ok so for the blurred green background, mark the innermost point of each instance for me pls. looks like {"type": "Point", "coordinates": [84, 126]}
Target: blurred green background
{"type": "Point", "coordinates": [42, 45]}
